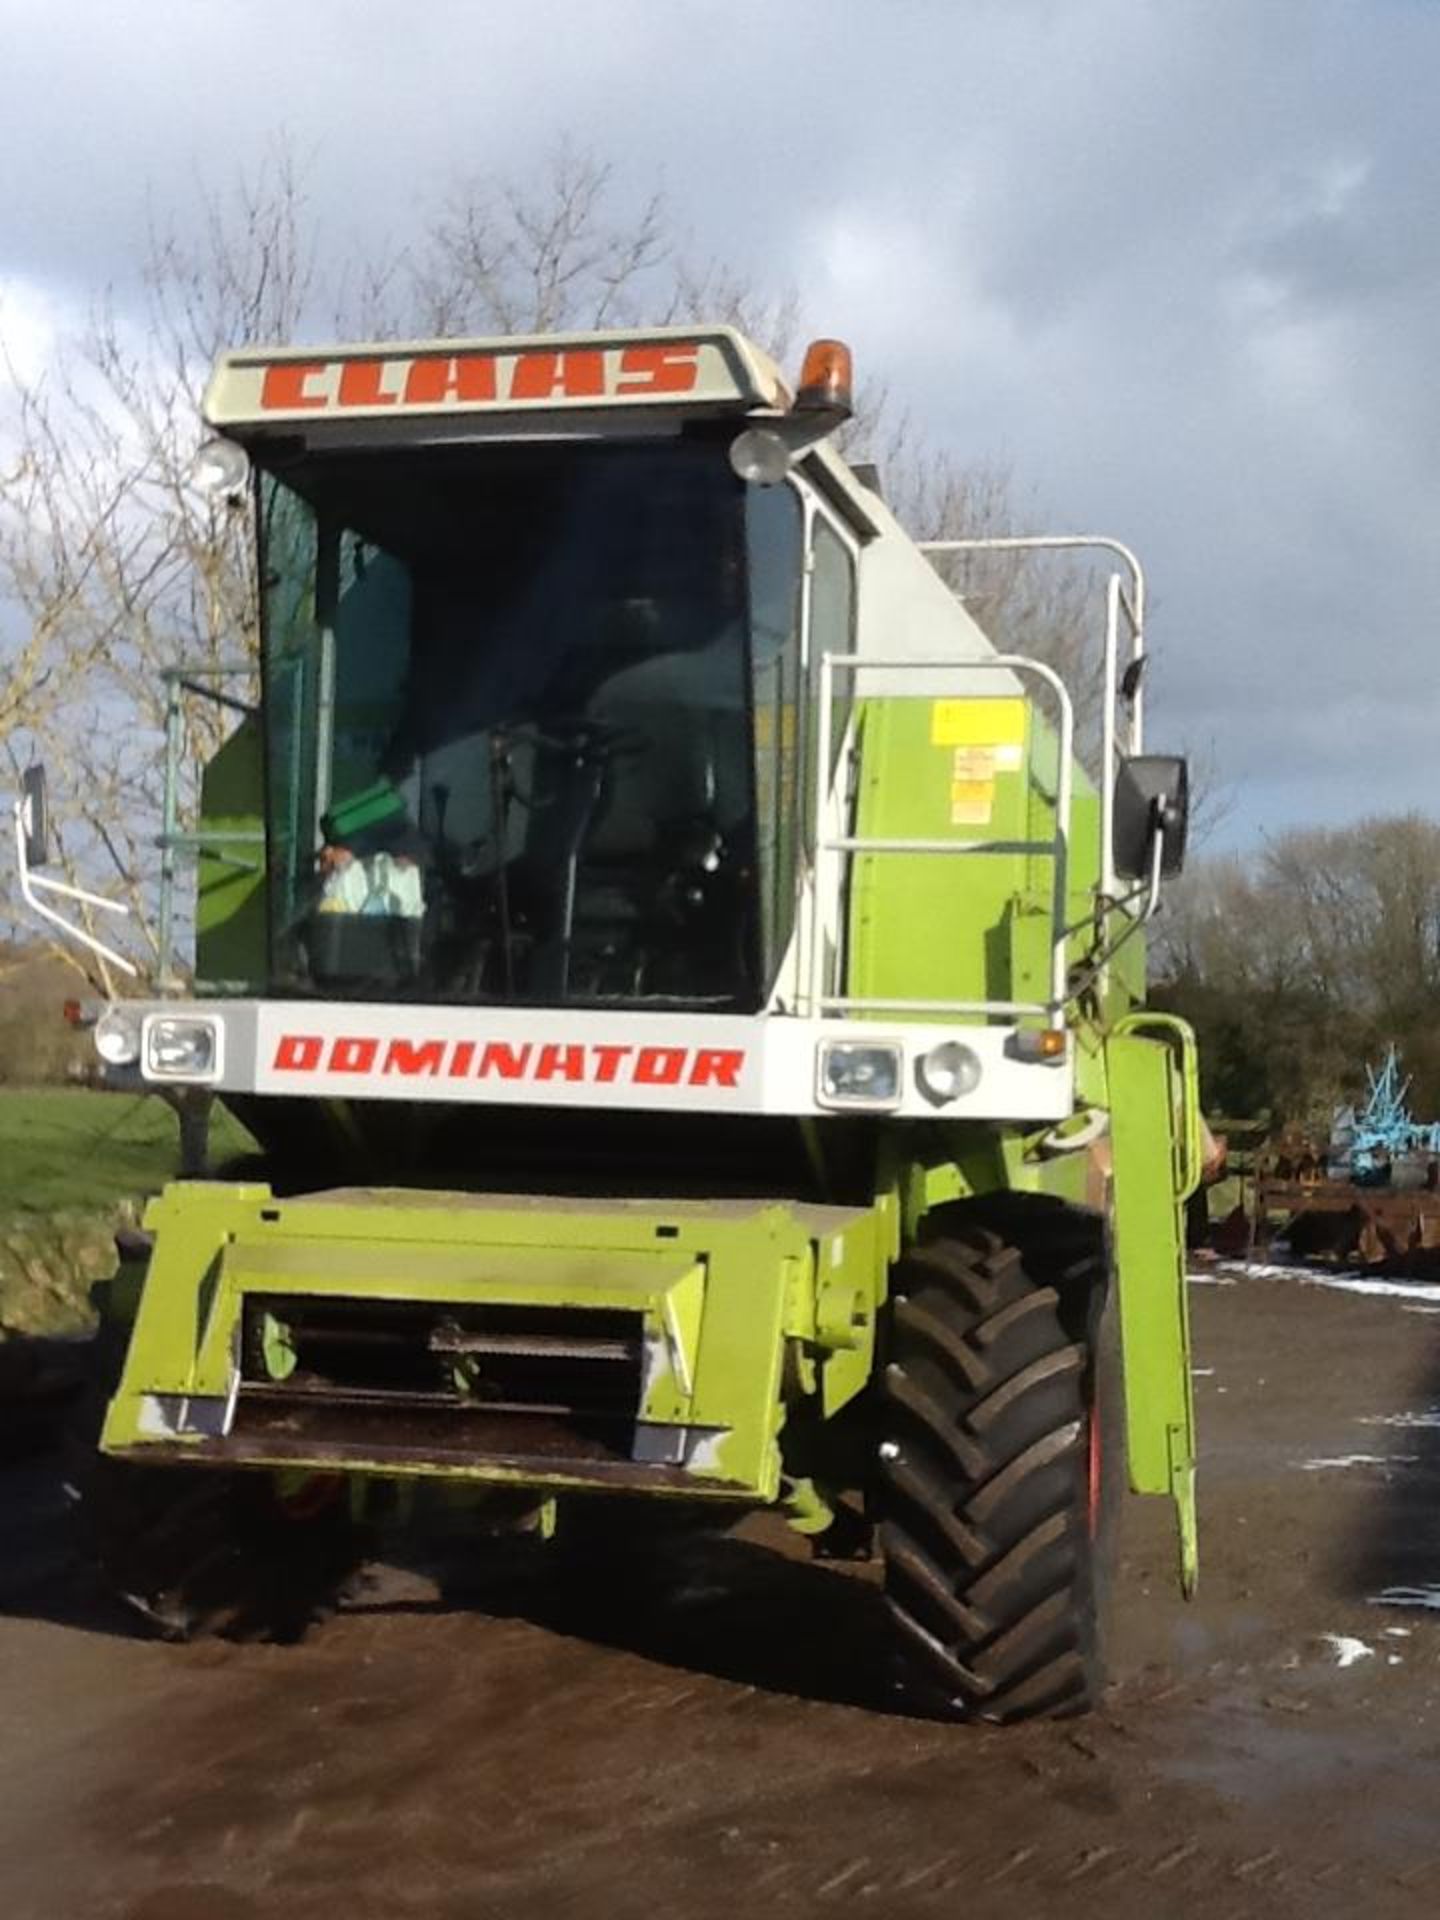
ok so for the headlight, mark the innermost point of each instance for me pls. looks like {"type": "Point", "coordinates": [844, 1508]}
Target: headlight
{"type": "Point", "coordinates": [948, 1071]}
{"type": "Point", "coordinates": [220, 468]}
{"type": "Point", "coordinates": [859, 1073]}
{"type": "Point", "coordinates": [760, 457]}
{"type": "Point", "coordinates": [182, 1047]}
{"type": "Point", "coordinates": [117, 1037]}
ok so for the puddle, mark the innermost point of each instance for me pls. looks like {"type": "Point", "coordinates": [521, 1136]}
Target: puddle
{"type": "Point", "coordinates": [1429, 1418]}
{"type": "Point", "coordinates": [1426, 1597]}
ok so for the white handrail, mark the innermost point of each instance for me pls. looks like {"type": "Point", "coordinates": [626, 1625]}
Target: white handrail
{"type": "Point", "coordinates": [1107, 738]}
{"type": "Point", "coordinates": [1069, 542]}
{"type": "Point", "coordinates": [1116, 602]}
{"type": "Point", "coordinates": [30, 883]}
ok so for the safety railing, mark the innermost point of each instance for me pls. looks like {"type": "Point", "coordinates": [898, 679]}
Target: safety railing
{"type": "Point", "coordinates": [832, 852]}
{"type": "Point", "coordinates": [1122, 720]}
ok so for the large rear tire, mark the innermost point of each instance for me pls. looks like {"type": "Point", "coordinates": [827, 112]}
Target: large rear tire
{"type": "Point", "coordinates": [998, 1479]}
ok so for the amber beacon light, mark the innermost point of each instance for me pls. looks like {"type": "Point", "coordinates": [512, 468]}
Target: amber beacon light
{"type": "Point", "coordinates": [826, 380]}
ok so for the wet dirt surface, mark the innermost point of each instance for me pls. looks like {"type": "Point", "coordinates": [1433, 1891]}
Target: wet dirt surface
{"type": "Point", "coordinates": [699, 1735]}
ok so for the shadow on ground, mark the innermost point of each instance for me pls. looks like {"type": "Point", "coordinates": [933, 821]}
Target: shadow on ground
{"type": "Point", "coordinates": [707, 1602]}
{"type": "Point", "coordinates": [1392, 1554]}
{"type": "Point", "coordinates": [699, 1601]}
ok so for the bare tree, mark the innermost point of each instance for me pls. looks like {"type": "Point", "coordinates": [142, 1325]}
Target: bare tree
{"type": "Point", "coordinates": [113, 565]}
{"type": "Point", "coordinates": [537, 256]}
{"type": "Point", "coordinates": [1299, 962]}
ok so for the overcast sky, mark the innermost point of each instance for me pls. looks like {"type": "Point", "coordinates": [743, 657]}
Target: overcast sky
{"type": "Point", "coordinates": [1177, 264]}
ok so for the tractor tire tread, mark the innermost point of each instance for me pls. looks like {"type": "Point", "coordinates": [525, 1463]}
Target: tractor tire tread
{"type": "Point", "coordinates": [983, 1493]}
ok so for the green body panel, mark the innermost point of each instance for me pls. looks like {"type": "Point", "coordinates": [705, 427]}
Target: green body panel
{"type": "Point", "coordinates": [724, 1294]}
{"type": "Point", "coordinates": [230, 931]}
{"type": "Point", "coordinates": [1154, 1123]}
{"type": "Point", "coordinates": [971, 927]}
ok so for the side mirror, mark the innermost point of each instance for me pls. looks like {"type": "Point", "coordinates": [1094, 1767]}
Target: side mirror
{"type": "Point", "coordinates": [35, 816]}
{"type": "Point", "coordinates": [1152, 798]}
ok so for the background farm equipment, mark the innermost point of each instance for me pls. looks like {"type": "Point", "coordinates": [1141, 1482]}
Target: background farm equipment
{"type": "Point", "coordinates": [1369, 1195]}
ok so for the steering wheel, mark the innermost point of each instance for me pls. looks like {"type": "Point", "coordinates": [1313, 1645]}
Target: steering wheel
{"type": "Point", "coordinates": [584, 734]}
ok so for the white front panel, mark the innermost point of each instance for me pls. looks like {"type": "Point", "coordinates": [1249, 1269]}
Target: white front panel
{"type": "Point", "coordinates": [508, 1056]}
{"type": "Point", "coordinates": [521, 1056]}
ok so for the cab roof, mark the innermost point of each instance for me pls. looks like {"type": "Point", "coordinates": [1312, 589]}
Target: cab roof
{"type": "Point", "coordinates": [257, 391]}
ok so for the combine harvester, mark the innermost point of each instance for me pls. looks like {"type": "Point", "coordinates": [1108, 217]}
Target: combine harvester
{"type": "Point", "coordinates": [690, 1001]}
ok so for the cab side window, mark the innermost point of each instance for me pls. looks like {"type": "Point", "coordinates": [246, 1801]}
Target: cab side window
{"type": "Point", "coordinates": [832, 623]}
{"type": "Point", "coordinates": [774, 543]}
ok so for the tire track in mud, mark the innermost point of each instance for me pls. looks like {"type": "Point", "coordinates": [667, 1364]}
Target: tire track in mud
{"type": "Point", "coordinates": [687, 1738]}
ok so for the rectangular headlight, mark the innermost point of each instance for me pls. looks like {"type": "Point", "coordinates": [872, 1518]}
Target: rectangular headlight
{"type": "Point", "coordinates": [182, 1047]}
{"type": "Point", "coordinates": [851, 1073]}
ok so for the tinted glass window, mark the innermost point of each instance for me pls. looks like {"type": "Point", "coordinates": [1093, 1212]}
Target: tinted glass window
{"type": "Point", "coordinates": [775, 534]}
{"type": "Point", "coordinates": [510, 725]}
{"type": "Point", "coordinates": [832, 620]}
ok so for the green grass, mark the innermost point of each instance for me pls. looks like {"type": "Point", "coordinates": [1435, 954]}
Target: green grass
{"type": "Point", "coordinates": [71, 1150]}
{"type": "Point", "coordinates": [73, 1165]}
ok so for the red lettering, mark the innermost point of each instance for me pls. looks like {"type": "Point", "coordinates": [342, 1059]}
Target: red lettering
{"type": "Point", "coordinates": [402, 1057]}
{"type": "Point", "coordinates": [298, 1053]}
{"type": "Point", "coordinates": [283, 387]}
{"type": "Point", "coordinates": [716, 1067]}
{"type": "Point", "coordinates": [468, 377]}
{"type": "Point", "coordinates": [561, 1063]}
{"type": "Point", "coordinates": [660, 1066]}
{"type": "Point", "coordinates": [353, 1055]}
{"type": "Point", "coordinates": [670, 369]}
{"type": "Point", "coordinates": [498, 1060]}
{"type": "Point", "coordinates": [579, 375]}
{"type": "Point", "coordinates": [505, 1063]}
{"type": "Point", "coordinates": [361, 384]}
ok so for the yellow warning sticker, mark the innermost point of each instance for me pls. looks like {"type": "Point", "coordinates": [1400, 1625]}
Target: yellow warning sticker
{"type": "Point", "coordinates": [983, 722]}
{"type": "Point", "coordinates": [971, 802]}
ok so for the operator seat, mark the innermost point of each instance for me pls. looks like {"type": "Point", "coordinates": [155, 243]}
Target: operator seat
{"type": "Point", "coordinates": [660, 846]}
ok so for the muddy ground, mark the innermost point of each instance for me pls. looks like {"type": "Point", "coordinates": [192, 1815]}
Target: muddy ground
{"type": "Point", "coordinates": [700, 1739]}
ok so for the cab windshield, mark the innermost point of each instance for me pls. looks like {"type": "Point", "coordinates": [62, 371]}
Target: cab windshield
{"type": "Point", "coordinates": [532, 724]}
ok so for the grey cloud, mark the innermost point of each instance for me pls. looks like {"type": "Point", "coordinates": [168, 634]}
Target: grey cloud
{"type": "Point", "coordinates": [1177, 264]}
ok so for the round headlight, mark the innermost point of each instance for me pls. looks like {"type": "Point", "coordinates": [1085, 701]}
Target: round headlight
{"type": "Point", "coordinates": [220, 468]}
{"type": "Point", "coordinates": [117, 1037]}
{"type": "Point", "coordinates": [948, 1071]}
{"type": "Point", "coordinates": [760, 456]}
